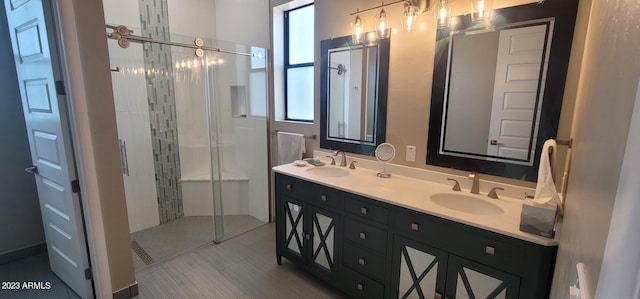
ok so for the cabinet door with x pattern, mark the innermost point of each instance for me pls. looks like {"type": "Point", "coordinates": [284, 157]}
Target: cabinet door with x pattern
{"type": "Point", "coordinates": [291, 232]}
{"type": "Point", "coordinates": [419, 271]}
{"type": "Point", "coordinates": [308, 235]}
{"type": "Point", "coordinates": [323, 242]}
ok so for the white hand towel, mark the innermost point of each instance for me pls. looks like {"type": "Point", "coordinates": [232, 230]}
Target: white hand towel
{"type": "Point", "coordinates": [546, 187]}
{"type": "Point", "coordinates": [290, 147]}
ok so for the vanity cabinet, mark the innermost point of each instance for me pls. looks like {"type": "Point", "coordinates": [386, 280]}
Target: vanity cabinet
{"type": "Point", "coordinates": [421, 271]}
{"type": "Point", "coordinates": [308, 229]}
{"type": "Point", "coordinates": [366, 242]}
{"type": "Point", "coordinates": [371, 249]}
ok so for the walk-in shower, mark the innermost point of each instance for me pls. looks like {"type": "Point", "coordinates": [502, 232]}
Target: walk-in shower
{"type": "Point", "coordinates": [192, 123]}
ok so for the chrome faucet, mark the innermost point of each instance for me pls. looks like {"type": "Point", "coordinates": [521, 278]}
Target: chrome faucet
{"type": "Point", "coordinates": [343, 163]}
{"type": "Point", "coordinates": [475, 188]}
{"type": "Point", "coordinates": [493, 194]}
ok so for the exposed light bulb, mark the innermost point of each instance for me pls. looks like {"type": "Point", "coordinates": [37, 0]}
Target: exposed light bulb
{"type": "Point", "coordinates": [357, 29]}
{"type": "Point", "coordinates": [481, 11]}
{"type": "Point", "coordinates": [442, 12]}
{"type": "Point", "coordinates": [383, 30]}
{"type": "Point", "coordinates": [410, 13]}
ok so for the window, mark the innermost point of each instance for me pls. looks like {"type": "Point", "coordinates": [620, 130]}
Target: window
{"type": "Point", "coordinates": [298, 63]}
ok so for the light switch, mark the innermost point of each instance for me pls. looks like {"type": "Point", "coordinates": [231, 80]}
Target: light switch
{"type": "Point", "coordinates": [411, 153]}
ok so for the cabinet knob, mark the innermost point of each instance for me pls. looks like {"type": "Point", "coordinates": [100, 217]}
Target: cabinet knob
{"type": "Point", "coordinates": [364, 210]}
{"type": "Point", "coordinates": [415, 226]}
{"type": "Point", "coordinates": [361, 261]}
{"type": "Point", "coordinates": [363, 235]}
{"type": "Point", "coordinates": [323, 198]}
{"type": "Point", "coordinates": [308, 236]}
{"type": "Point", "coordinates": [490, 250]}
{"type": "Point", "coordinates": [360, 286]}
{"type": "Point", "coordinates": [289, 186]}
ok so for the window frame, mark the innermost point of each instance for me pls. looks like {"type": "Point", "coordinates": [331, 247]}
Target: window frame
{"type": "Point", "coordinates": [288, 66]}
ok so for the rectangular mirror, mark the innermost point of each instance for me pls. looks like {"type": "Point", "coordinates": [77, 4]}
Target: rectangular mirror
{"type": "Point", "coordinates": [353, 94]}
{"type": "Point", "coordinates": [497, 90]}
{"type": "Point", "coordinates": [493, 93]}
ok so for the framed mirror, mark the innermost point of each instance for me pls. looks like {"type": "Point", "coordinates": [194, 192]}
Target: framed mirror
{"type": "Point", "coordinates": [353, 94]}
{"type": "Point", "coordinates": [497, 92]}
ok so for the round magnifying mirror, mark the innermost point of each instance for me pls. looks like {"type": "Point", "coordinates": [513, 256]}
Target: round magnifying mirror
{"type": "Point", "coordinates": [385, 153]}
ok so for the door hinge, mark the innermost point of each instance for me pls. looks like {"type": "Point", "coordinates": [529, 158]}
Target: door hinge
{"type": "Point", "coordinates": [61, 88]}
{"type": "Point", "coordinates": [88, 274]}
{"type": "Point", "coordinates": [75, 186]}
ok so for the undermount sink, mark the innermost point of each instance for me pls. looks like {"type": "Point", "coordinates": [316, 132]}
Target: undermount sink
{"type": "Point", "coordinates": [328, 171]}
{"type": "Point", "coordinates": [466, 204]}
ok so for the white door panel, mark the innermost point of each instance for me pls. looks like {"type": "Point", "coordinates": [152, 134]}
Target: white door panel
{"type": "Point", "coordinates": [518, 67]}
{"type": "Point", "coordinates": [49, 139]}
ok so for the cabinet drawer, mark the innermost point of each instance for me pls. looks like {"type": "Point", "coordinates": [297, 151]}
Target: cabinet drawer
{"type": "Point", "coordinates": [325, 197]}
{"type": "Point", "coordinates": [366, 210]}
{"type": "Point", "coordinates": [364, 261]}
{"type": "Point", "coordinates": [471, 243]}
{"type": "Point", "coordinates": [491, 252]}
{"type": "Point", "coordinates": [292, 187]}
{"type": "Point", "coordinates": [419, 227]}
{"type": "Point", "coordinates": [365, 235]}
{"type": "Point", "coordinates": [308, 192]}
{"type": "Point", "coordinates": [360, 286]}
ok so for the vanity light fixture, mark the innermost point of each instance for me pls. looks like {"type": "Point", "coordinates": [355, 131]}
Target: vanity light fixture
{"type": "Point", "coordinates": [481, 11]}
{"type": "Point", "coordinates": [412, 8]}
{"type": "Point", "coordinates": [357, 27]}
{"type": "Point", "coordinates": [442, 13]}
{"type": "Point", "coordinates": [410, 15]}
{"type": "Point", "coordinates": [382, 24]}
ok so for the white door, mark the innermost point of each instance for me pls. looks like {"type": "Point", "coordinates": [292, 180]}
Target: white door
{"type": "Point", "coordinates": [49, 139]}
{"type": "Point", "coordinates": [515, 92]}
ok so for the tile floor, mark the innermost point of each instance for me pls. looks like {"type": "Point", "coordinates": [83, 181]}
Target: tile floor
{"type": "Point", "coordinates": [242, 267]}
{"type": "Point", "coordinates": [170, 239]}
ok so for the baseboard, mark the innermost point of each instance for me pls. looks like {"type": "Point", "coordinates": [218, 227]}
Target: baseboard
{"type": "Point", "coordinates": [15, 255]}
{"type": "Point", "coordinates": [128, 292]}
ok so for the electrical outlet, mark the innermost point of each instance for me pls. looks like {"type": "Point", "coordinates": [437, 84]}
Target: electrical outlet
{"type": "Point", "coordinates": [411, 153]}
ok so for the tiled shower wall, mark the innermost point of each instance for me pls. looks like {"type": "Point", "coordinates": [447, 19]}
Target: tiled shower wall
{"type": "Point", "coordinates": [154, 21]}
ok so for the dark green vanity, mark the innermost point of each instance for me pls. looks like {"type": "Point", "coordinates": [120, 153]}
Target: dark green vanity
{"type": "Point", "coordinates": [372, 249]}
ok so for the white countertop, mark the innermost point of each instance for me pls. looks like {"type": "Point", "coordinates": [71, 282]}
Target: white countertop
{"type": "Point", "coordinates": [414, 194]}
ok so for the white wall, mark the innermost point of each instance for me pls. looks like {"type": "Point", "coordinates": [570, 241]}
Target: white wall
{"type": "Point", "coordinates": [606, 96]}
{"type": "Point", "coordinates": [19, 198]}
{"type": "Point", "coordinates": [620, 276]}
{"type": "Point", "coordinates": [243, 21]}
{"type": "Point", "coordinates": [193, 18]}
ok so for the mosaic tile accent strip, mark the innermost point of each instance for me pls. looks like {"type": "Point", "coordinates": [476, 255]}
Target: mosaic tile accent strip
{"type": "Point", "coordinates": [162, 109]}
{"type": "Point", "coordinates": [141, 253]}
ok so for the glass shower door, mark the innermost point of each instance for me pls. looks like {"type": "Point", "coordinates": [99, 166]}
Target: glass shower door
{"type": "Point", "coordinates": [237, 89]}
{"type": "Point", "coordinates": [193, 137]}
{"type": "Point", "coordinates": [160, 127]}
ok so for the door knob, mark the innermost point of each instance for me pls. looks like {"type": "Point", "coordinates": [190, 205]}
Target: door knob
{"type": "Point", "coordinates": [33, 169]}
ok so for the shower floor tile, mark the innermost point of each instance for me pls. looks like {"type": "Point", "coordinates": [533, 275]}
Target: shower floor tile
{"type": "Point", "coordinates": [170, 239]}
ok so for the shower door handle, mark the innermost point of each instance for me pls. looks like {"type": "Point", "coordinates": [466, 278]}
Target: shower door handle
{"type": "Point", "coordinates": [124, 160]}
